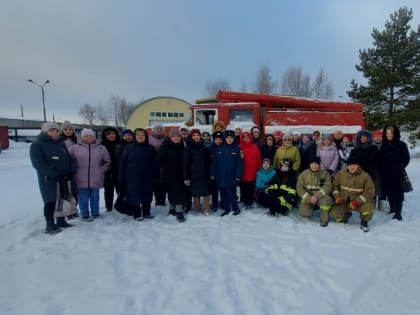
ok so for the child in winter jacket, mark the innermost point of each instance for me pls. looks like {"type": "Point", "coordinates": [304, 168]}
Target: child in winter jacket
{"type": "Point", "coordinates": [264, 175]}
{"type": "Point", "coordinates": [93, 161]}
{"type": "Point", "coordinates": [281, 190]}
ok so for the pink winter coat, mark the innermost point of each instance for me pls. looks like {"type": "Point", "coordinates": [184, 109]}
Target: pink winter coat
{"type": "Point", "coordinates": [329, 157]}
{"type": "Point", "coordinates": [92, 162]}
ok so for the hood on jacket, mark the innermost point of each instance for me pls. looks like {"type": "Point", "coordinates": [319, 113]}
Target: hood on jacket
{"type": "Point", "coordinates": [105, 141]}
{"type": "Point", "coordinates": [145, 132]}
{"type": "Point", "coordinates": [243, 135]}
{"type": "Point", "coordinates": [397, 134]}
{"type": "Point", "coordinates": [361, 133]}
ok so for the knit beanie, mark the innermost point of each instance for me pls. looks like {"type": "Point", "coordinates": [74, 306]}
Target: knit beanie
{"type": "Point", "coordinates": [48, 126]}
{"type": "Point", "coordinates": [127, 132]}
{"type": "Point", "coordinates": [66, 125]}
{"type": "Point", "coordinates": [87, 132]}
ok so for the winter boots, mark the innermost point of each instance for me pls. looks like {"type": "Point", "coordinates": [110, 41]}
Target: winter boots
{"type": "Point", "coordinates": [179, 213]}
{"type": "Point", "coordinates": [51, 228]}
{"type": "Point", "coordinates": [364, 226]}
{"type": "Point", "coordinates": [396, 208]}
{"type": "Point", "coordinates": [61, 222]}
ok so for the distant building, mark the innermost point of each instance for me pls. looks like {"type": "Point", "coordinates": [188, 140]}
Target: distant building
{"type": "Point", "coordinates": [162, 110]}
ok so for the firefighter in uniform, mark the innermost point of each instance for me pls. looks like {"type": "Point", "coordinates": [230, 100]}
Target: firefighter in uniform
{"type": "Point", "coordinates": [314, 188]}
{"type": "Point", "coordinates": [353, 190]}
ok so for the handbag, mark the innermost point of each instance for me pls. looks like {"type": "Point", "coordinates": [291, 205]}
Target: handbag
{"type": "Point", "coordinates": [65, 206]}
{"type": "Point", "coordinates": [405, 182]}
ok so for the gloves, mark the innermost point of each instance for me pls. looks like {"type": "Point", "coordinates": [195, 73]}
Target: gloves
{"type": "Point", "coordinates": [338, 200]}
{"type": "Point", "coordinates": [187, 182]}
{"type": "Point", "coordinates": [354, 204]}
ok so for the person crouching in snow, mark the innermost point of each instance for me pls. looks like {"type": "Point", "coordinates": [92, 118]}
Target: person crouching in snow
{"type": "Point", "coordinates": [264, 175]}
{"type": "Point", "coordinates": [353, 190]}
{"type": "Point", "coordinates": [93, 161]}
{"type": "Point", "coordinates": [281, 190]}
{"type": "Point", "coordinates": [226, 170]}
{"type": "Point", "coordinates": [314, 188]}
{"type": "Point", "coordinates": [136, 170]}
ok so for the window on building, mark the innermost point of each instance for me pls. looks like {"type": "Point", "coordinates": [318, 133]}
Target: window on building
{"type": "Point", "coordinates": [152, 114]}
{"type": "Point", "coordinates": [158, 114]}
{"type": "Point", "coordinates": [171, 115]}
{"type": "Point", "coordinates": [164, 114]}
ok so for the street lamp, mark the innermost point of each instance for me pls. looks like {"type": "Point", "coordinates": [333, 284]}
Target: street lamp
{"type": "Point", "coordinates": [43, 96]}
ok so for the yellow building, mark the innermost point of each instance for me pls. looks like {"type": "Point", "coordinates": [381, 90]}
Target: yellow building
{"type": "Point", "coordinates": [159, 110]}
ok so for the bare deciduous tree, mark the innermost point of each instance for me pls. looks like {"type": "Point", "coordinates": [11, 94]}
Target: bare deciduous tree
{"type": "Point", "coordinates": [88, 112]}
{"type": "Point", "coordinates": [264, 83]}
{"type": "Point", "coordinates": [212, 87]}
{"type": "Point", "coordinates": [322, 87]}
{"type": "Point", "coordinates": [103, 113]}
{"type": "Point", "coordinates": [125, 109]}
{"type": "Point", "coordinates": [296, 83]}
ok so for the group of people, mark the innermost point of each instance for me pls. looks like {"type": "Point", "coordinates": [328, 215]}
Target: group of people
{"type": "Point", "coordinates": [334, 174]}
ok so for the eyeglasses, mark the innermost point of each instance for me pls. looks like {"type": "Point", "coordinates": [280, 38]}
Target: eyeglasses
{"type": "Point", "coordinates": [287, 140]}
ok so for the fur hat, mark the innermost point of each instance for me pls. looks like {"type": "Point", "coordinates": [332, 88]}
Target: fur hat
{"type": "Point", "coordinates": [48, 126]}
{"type": "Point", "coordinates": [87, 132]}
{"type": "Point", "coordinates": [315, 159]}
{"type": "Point", "coordinates": [66, 125]}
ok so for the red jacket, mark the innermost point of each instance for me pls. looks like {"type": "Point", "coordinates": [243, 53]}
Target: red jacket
{"type": "Point", "coordinates": [252, 158]}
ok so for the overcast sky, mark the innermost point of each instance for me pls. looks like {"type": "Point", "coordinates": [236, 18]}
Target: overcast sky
{"type": "Point", "coordinates": [93, 49]}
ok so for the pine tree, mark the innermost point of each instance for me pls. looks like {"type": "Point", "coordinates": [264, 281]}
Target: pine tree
{"type": "Point", "coordinates": [392, 69]}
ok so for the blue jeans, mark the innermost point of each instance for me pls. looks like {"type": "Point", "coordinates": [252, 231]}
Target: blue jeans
{"type": "Point", "coordinates": [86, 196]}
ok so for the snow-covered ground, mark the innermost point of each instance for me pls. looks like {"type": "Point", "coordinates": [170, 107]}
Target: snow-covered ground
{"type": "Point", "coordinates": [249, 264]}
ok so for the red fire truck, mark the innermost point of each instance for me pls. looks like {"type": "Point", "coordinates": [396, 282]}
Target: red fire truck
{"type": "Point", "coordinates": [274, 112]}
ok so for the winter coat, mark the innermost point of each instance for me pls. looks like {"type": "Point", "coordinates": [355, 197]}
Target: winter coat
{"type": "Point", "coordinates": [111, 147]}
{"type": "Point", "coordinates": [268, 152]}
{"type": "Point", "coordinates": [69, 141]}
{"type": "Point", "coordinates": [287, 151]}
{"type": "Point", "coordinates": [170, 157]}
{"type": "Point", "coordinates": [393, 158]}
{"type": "Point", "coordinates": [252, 159]}
{"type": "Point", "coordinates": [196, 168]}
{"type": "Point", "coordinates": [316, 184]}
{"type": "Point", "coordinates": [264, 176]}
{"type": "Point", "coordinates": [51, 160]}
{"type": "Point", "coordinates": [136, 168]}
{"type": "Point", "coordinates": [329, 157]}
{"type": "Point", "coordinates": [366, 153]}
{"type": "Point", "coordinates": [307, 152]}
{"type": "Point", "coordinates": [354, 186]}
{"type": "Point", "coordinates": [227, 165]}
{"type": "Point", "coordinates": [344, 153]}
{"type": "Point", "coordinates": [92, 162]}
